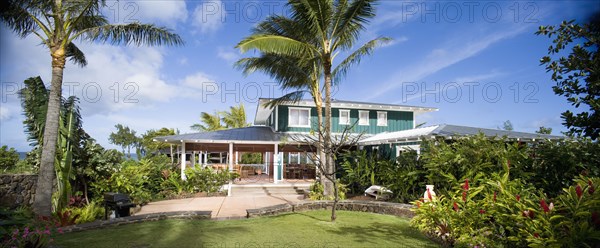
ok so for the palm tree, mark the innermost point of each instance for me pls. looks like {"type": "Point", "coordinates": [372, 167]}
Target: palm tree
{"type": "Point", "coordinates": [58, 23]}
{"type": "Point", "coordinates": [211, 122]}
{"type": "Point", "coordinates": [235, 118]}
{"type": "Point", "coordinates": [34, 100]}
{"type": "Point", "coordinates": [321, 30]}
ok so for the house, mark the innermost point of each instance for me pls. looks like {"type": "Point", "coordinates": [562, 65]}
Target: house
{"type": "Point", "coordinates": [280, 134]}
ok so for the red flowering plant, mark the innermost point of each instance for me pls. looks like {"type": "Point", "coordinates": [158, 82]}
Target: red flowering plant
{"type": "Point", "coordinates": [40, 232]}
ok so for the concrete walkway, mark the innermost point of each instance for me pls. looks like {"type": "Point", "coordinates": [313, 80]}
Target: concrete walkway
{"type": "Point", "coordinates": [221, 207]}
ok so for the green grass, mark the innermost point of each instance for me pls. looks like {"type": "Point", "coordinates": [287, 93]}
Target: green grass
{"type": "Point", "coordinates": [307, 229]}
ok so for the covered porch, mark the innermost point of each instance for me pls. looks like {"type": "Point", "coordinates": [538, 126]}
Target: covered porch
{"type": "Point", "coordinates": [281, 161]}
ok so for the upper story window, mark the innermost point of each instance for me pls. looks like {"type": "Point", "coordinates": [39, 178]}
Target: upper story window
{"type": "Point", "coordinates": [344, 117]}
{"type": "Point", "coordinates": [299, 117]}
{"type": "Point", "coordinates": [363, 118]}
{"type": "Point", "coordinates": [381, 118]}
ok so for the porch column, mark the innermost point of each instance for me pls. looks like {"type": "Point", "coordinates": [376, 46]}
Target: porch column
{"type": "Point", "coordinates": [205, 158]}
{"type": "Point", "coordinates": [183, 177]}
{"type": "Point", "coordinates": [276, 164]}
{"type": "Point", "coordinates": [230, 166]}
{"type": "Point", "coordinates": [266, 162]}
{"type": "Point", "coordinates": [237, 158]}
{"type": "Point", "coordinates": [194, 159]}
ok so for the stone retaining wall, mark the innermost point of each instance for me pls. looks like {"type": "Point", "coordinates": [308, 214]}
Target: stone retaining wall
{"type": "Point", "coordinates": [191, 215]}
{"type": "Point", "coordinates": [17, 190]}
{"type": "Point", "coordinates": [388, 208]}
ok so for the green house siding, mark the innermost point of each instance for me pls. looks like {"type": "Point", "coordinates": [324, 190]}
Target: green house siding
{"type": "Point", "coordinates": [397, 121]}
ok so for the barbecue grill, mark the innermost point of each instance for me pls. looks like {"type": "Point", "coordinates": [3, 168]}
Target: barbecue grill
{"type": "Point", "coordinates": [118, 202]}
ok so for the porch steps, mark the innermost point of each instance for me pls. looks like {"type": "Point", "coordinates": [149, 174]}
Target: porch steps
{"type": "Point", "coordinates": [254, 190]}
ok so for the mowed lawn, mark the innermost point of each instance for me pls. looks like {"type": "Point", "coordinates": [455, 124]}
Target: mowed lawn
{"type": "Point", "coordinates": [307, 229]}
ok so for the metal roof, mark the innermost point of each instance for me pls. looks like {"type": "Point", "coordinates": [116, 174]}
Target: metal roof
{"type": "Point", "coordinates": [263, 112]}
{"type": "Point", "coordinates": [449, 131]}
{"type": "Point", "coordinates": [254, 135]}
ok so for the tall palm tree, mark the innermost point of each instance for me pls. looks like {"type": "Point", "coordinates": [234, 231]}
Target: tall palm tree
{"type": "Point", "coordinates": [235, 118]}
{"type": "Point", "coordinates": [211, 122]}
{"type": "Point", "coordinates": [34, 100]}
{"type": "Point", "coordinates": [322, 29]}
{"type": "Point", "coordinates": [58, 23]}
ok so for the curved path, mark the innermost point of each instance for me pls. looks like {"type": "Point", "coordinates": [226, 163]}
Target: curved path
{"type": "Point", "coordinates": [222, 207]}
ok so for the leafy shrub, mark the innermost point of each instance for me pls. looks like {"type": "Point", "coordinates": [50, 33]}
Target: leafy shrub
{"type": "Point", "coordinates": [206, 179]}
{"type": "Point", "coordinates": [317, 189]}
{"type": "Point", "coordinates": [503, 212]}
{"type": "Point", "coordinates": [8, 158]}
{"type": "Point", "coordinates": [88, 213]}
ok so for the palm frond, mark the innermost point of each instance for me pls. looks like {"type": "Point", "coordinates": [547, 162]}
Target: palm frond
{"type": "Point", "coordinates": [19, 16]}
{"type": "Point", "coordinates": [289, 98]}
{"type": "Point", "coordinates": [276, 44]}
{"type": "Point", "coordinates": [354, 58]}
{"type": "Point", "coordinates": [133, 33]}
{"type": "Point", "coordinates": [288, 71]}
{"type": "Point", "coordinates": [235, 118]}
{"type": "Point", "coordinates": [34, 100]}
{"type": "Point", "coordinates": [307, 13]}
{"type": "Point", "coordinates": [352, 22]}
{"type": "Point", "coordinates": [75, 55]}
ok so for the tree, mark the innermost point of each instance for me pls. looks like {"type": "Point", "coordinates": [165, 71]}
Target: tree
{"type": "Point", "coordinates": [235, 118]}
{"type": "Point", "coordinates": [507, 125]}
{"type": "Point", "coordinates": [544, 130]}
{"type": "Point", "coordinates": [577, 75]}
{"type": "Point", "coordinates": [125, 138]}
{"type": "Point", "coordinates": [324, 28]}
{"type": "Point", "coordinates": [8, 158]}
{"type": "Point", "coordinates": [58, 23]}
{"type": "Point", "coordinates": [71, 135]}
{"type": "Point", "coordinates": [153, 147]}
{"type": "Point", "coordinates": [211, 122]}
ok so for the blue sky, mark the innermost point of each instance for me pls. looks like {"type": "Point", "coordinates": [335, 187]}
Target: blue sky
{"type": "Point", "coordinates": [478, 62]}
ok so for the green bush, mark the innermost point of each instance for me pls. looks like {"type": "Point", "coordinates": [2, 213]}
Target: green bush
{"type": "Point", "coordinates": [88, 213]}
{"type": "Point", "coordinates": [317, 189]}
{"type": "Point", "coordinates": [8, 158]}
{"type": "Point", "coordinates": [504, 212]}
{"type": "Point", "coordinates": [206, 179]}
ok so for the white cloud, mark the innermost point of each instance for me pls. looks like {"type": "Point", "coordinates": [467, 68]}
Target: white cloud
{"type": "Point", "coordinates": [168, 12]}
{"type": "Point", "coordinates": [208, 16]}
{"type": "Point", "coordinates": [443, 57]}
{"type": "Point", "coordinates": [5, 113]}
{"type": "Point", "coordinates": [230, 55]}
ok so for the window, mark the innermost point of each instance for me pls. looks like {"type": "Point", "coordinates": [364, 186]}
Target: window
{"type": "Point", "coordinates": [363, 118]}
{"type": "Point", "coordinates": [344, 117]}
{"type": "Point", "coordinates": [294, 158]}
{"type": "Point", "coordinates": [381, 118]}
{"type": "Point", "coordinates": [299, 117]}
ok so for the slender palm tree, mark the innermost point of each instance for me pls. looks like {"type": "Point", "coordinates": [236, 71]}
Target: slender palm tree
{"type": "Point", "coordinates": [322, 29]}
{"type": "Point", "coordinates": [58, 23]}
{"type": "Point", "coordinates": [211, 122]}
{"type": "Point", "coordinates": [235, 118]}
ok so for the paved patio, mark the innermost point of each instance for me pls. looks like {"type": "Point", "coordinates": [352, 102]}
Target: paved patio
{"type": "Point", "coordinates": [221, 207]}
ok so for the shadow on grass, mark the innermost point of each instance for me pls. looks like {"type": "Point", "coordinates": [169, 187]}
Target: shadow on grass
{"type": "Point", "coordinates": [397, 233]}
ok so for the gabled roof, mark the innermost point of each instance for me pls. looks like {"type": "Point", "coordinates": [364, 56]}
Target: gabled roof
{"type": "Point", "coordinates": [450, 131]}
{"type": "Point", "coordinates": [263, 112]}
{"type": "Point", "coordinates": [254, 135]}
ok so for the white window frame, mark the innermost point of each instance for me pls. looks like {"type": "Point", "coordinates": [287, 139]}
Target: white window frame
{"type": "Point", "coordinates": [362, 121]}
{"type": "Point", "coordinates": [290, 124]}
{"type": "Point", "coordinates": [340, 117]}
{"type": "Point", "coordinates": [386, 119]}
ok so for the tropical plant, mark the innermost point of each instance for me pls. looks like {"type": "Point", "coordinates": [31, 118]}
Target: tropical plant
{"type": "Point", "coordinates": [211, 122]}
{"type": "Point", "coordinates": [71, 134]}
{"type": "Point", "coordinates": [235, 118]}
{"type": "Point", "coordinates": [155, 147]}
{"type": "Point", "coordinates": [8, 158]}
{"type": "Point", "coordinates": [577, 74]}
{"type": "Point", "coordinates": [319, 31]}
{"type": "Point", "coordinates": [57, 24]}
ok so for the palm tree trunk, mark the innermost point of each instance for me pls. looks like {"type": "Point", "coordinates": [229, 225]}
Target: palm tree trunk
{"type": "Point", "coordinates": [328, 184]}
{"type": "Point", "coordinates": [42, 204]}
